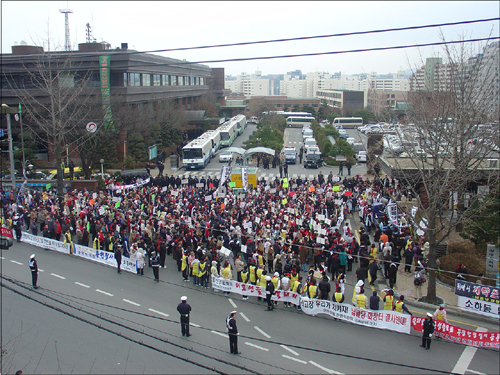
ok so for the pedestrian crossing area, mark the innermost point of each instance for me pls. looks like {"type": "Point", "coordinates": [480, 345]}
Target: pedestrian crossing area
{"type": "Point", "coordinates": [265, 175]}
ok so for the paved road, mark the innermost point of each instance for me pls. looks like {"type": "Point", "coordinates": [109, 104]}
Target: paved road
{"type": "Point", "coordinates": [86, 318]}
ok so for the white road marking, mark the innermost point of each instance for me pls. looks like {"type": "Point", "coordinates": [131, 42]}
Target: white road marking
{"type": "Point", "coordinates": [290, 350]}
{"type": "Point", "coordinates": [16, 262]}
{"type": "Point", "coordinates": [294, 359]}
{"type": "Point", "coordinates": [103, 292]}
{"type": "Point", "coordinates": [40, 270]}
{"type": "Point", "coordinates": [257, 346]}
{"type": "Point", "coordinates": [2, 257]}
{"type": "Point", "coordinates": [261, 331]}
{"type": "Point", "coordinates": [85, 286]}
{"type": "Point", "coordinates": [158, 312]}
{"type": "Point", "coordinates": [220, 334]}
{"type": "Point", "coordinates": [194, 325]}
{"type": "Point", "coordinates": [131, 302]}
{"type": "Point", "coordinates": [58, 276]}
{"type": "Point", "coordinates": [466, 357]}
{"type": "Point", "coordinates": [476, 372]}
{"type": "Point", "coordinates": [244, 317]}
{"type": "Point", "coordinates": [325, 369]}
{"type": "Point", "coordinates": [232, 303]}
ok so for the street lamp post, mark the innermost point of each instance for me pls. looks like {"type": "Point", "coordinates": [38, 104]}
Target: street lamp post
{"type": "Point", "coordinates": [102, 168]}
{"type": "Point", "coordinates": [7, 110]}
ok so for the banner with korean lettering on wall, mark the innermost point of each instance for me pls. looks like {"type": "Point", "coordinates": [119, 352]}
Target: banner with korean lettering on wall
{"type": "Point", "coordinates": [460, 335]}
{"type": "Point", "coordinates": [244, 177]}
{"type": "Point", "coordinates": [478, 298]}
{"type": "Point", "coordinates": [104, 63]}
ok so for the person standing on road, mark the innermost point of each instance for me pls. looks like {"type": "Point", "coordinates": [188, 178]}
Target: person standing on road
{"type": "Point", "coordinates": [285, 169]}
{"type": "Point", "coordinates": [155, 264]}
{"type": "Point", "coordinates": [427, 331]}
{"type": "Point", "coordinates": [348, 166]}
{"type": "Point", "coordinates": [341, 168]}
{"type": "Point", "coordinates": [281, 169]}
{"type": "Point", "coordinates": [374, 301]}
{"type": "Point", "coordinates": [118, 257]}
{"type": "Point", "coordinates": [34, 271]}
{"type": "Point", "coordinates": [269, 293]}
{"type": "Point", "coordinates": [184, 309]}
{"type": "Point", "coordinates": [232, 330]}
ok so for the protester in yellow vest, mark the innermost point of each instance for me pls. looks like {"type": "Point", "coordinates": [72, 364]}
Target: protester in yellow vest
{"type": "Point", "coordinates": [401, 307]}
{"type": "Point", "coordinates": [338, 296]}
{"type": "Point", "coordinates": [361, 301]}
{"type": "Point", "coordinates": [244, 279]}
{"type": "Point", "coordinates": [253, 276]}
{"type": "Point", "coordinates": [184, 267]}
{"type": "Point", "coordinates": [389, 301]}
{"type": "Point", "coordinates": [312, 290]}
{"type": "Point", "coordinates": [440, 314]}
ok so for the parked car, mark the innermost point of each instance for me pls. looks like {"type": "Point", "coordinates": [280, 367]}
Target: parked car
{"type": "Point", "coordinates": [309, 142]}
{"type": "Point", "coordinates": [290, 155]}
{"type": "Point", "coordinates": [360, 156]}
{"type": "Point", "coordinates": [350, 140]}
{"type": "Point", "coordinates": [225, 157]}
{"type": "Point", "coordinates": [313, 160]}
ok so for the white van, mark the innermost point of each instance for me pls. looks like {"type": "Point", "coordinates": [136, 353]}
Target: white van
{"type": "Point", "coordinates": [350, 141]}
{"type": "Point", "coordinates": [308, 133]}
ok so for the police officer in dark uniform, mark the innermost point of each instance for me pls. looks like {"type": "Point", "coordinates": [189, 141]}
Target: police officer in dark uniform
{"type": "Point", "coordinates": [155, 264]}
{"type": "Point", "coordinates": [184, 309]}
{"type": "Point", "coordinates": [34, 270]}
{"type": "Point", "coordinates": [233, 333]}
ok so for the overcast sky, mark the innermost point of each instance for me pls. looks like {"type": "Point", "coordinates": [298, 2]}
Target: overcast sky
{"type": "Point", "coordinates": [160, 25]}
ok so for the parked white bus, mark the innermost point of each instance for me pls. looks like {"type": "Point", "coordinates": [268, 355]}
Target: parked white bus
{"type": "Point", "coordinates": [298, 122]}
{"type": "Point", "coordinates": [227, 133]}
{"type": "Point", "coordinates": [214, 136]}
{"type": "Point", "coordinates": [288, 114]}
{"type": "Point", "coordinates": [348, 122]}
{"type": "Point", "coordinates": [241, 123]}
{"type": "Point", "coordinates": [197, 153]}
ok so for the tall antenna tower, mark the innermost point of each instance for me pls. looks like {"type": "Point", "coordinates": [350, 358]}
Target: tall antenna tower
{"type": "Point", "coordinates": [90, 38]}
{"type": "Point", "coordinates": [67, 43]}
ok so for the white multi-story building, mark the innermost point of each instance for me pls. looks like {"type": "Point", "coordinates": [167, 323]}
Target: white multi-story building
{"type": "Point", "coordinates": [249, 84]}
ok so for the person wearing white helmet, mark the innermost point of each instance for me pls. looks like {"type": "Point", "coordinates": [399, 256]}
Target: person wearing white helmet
{"type": "Point", "coordinates": [427, 331]}
{"type": "Point", "coordinates": [34, 270]}
{"type": "Point", "coordinates": [232, 330]}
{"type": "Point", "coordinates": [184, 309]}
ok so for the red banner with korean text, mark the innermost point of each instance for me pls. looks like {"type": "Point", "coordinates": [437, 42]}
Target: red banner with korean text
{"type": "Point", "coordinates": [7, 232]}
{"type": "Point", "coordinates": [460, 335]}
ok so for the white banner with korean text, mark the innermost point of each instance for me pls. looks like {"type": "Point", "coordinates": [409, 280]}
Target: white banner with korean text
{"type": "Point", "coordinates": [381, 319]}
{"type": "Point", "coordinates": [104, 257]}
{"type": "Point", "coordinates": [45, 243]}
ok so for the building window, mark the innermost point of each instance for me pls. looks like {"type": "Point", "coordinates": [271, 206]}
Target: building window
{"type": "Point", "coordinates": [315, 105]}
{"type": "Point", "coordinates": [202, 80]}
{"type": "Point", "coordinates": [165, 81]}
{"type": "Point", "coordinates": [146, 79]}
{"type": "Point", "coordinates": [131, 79]}
{"type": "Point", "coordinates": [173, 80]}
{"type": "Point", "coordinates": [193, 81]}
{"type": "Point", "coordinates": [156, 79]}
{"type": "Point", "coordinates": [278, 105]}
{"type": "Point", "coordinates": [180, 81]}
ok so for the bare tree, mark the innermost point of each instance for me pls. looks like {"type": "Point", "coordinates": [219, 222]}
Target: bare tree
{"type": "Point", "coordinates": [58, 101]}
{"type": "Point", "coordinates": [449, 120]}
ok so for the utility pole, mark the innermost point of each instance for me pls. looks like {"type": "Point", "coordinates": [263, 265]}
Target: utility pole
{"type": "Point", "coordinates": [7, 111]}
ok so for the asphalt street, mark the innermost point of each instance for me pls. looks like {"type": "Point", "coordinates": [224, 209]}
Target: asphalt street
{"type": "Point", "coordinates": [87, 318]}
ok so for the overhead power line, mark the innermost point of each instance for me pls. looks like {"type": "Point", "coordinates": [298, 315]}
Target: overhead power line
{"type": "Point", "coordinates": [131, 64]}
{"type": "Point", "coordinates": [320, 36]}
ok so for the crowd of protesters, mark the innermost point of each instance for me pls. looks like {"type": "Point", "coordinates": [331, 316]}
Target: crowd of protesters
{"type": "Point", "coordinates": [287, 232]}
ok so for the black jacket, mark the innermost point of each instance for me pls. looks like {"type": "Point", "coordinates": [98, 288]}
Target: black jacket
{"type": "Point", "coordinates": [184, 308]}
{"type": "Point", "coordinates": [428, 326]}
{"type": "Point", "coordinates": [324, 286]}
